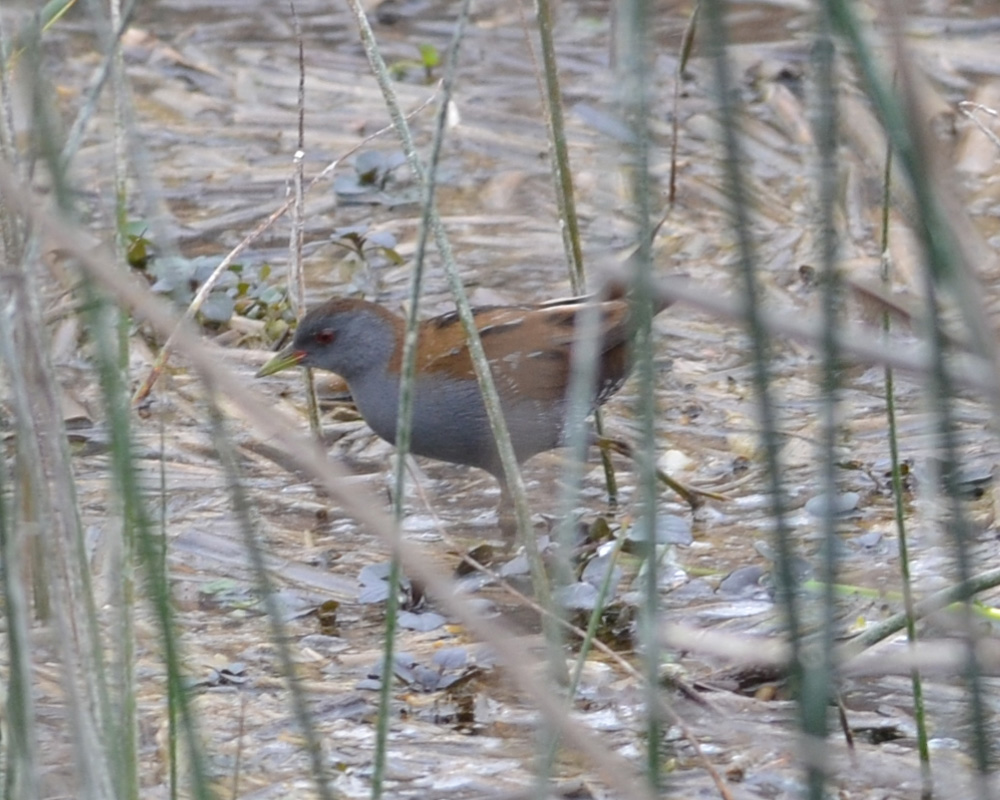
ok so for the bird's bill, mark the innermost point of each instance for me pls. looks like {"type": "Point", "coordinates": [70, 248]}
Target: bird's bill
{"type": "Point", "coordinates": [286, 359]}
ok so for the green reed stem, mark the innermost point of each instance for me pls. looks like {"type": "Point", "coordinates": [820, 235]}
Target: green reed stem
{"type": "Point", "coordinates": [899, 510]}
{"type": "Point", "coordinates": [127, 753]}
{"type": "Point", "coordinates": [940, 398]}
{"type": "Point", "coordinates": [785, 577]}
{"type": "Point", "coordinates": [404, 417]}
{"type": "Point", "coordinates": [585, 358]}
{"type": "Point", "coordinates": [959, 593]}
{"type": "Point", "coordinates": [562, 174]}
{"type": "Point", "coordinates": [20, 754]}
{"type": "Point", "coordinates": [636, 87]}
{"type": "Point", "coordinates": [818, 676]}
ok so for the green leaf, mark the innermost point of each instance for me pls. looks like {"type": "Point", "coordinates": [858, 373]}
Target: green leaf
{"type": "Point", "coordinates": [429, 56]}
{"type": "Point", "coordinates": [218, 308]}
{"type": "Point", "coordinates": [137, 252]}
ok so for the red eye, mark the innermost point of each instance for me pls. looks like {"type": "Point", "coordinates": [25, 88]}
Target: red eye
{"type": "Point", "coordinates": [325, 336]}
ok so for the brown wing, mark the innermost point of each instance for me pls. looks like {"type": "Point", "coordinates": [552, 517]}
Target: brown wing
{"type": "Point", "coordinates": [529, 347]}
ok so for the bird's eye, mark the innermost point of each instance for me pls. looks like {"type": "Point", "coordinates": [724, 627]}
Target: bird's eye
{"type": "Point", "coordinates": [325, 336]}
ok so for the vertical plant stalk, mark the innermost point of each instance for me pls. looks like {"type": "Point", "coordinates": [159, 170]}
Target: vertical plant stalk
{"type": "Point", "coordinates": [940, 397]}
{"type": "Point", "coordinates": [160, 544]}
{"type": "Point", "coordinates": [636, 79]}
{"type": "Point", "coordinates": [786, 582]}
{"type": "Point", "coordinates": [899, 510]}
{"type": "Point", "coordinates": [296, 270]}
{"type": "Point", "coordinates": [817, 689]}
{"type": "Point", "coordinates": [11, 234]}
{"type": "Point", "coordinates": [404, 416]}
{"type": "Point", "coordinates": [124, 728]}
{"type": "Point", "coordinates": [120, 728]}
{"type": "Point", "coordinates": [96, 750]}
{"type": "Point", "coordinates": [18, 540]}
{"type": "Point", "coordinates": [687, 45]}
{"type": "Point", "coordinates": [584, 357]}
{"type": "Point", "coordinates": [19, 759]}
{"type": "Point", "coordinates": [20, 756]}
{"type": "Point", "coordinates": [569, 222]}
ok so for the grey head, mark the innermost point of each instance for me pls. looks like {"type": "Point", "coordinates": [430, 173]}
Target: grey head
{"type": "Point", "coordinates": [347, 336]}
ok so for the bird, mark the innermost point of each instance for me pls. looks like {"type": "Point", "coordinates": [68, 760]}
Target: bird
{"type": "Point", "coordinates": [528, 347]}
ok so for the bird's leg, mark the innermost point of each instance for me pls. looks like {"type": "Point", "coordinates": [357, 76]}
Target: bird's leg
{"type": "Point", "coordinates": [693, 497]}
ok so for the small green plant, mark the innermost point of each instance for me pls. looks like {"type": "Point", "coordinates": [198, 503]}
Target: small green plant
{"type": "Point", "coordinates": [257, 299]}
{"type": "Point", "coordinates": [427, 63]}
{"type": "Point", "coordinates": [365, 251]}
{"type": "Point", "coordinates": [367, 184]}
{"type": "Point", "coordinates": [138, 247]}
{"type": "Point", "coordinates": [362, 243]}
{"type": "Point", "coordinates": [239, 291]}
